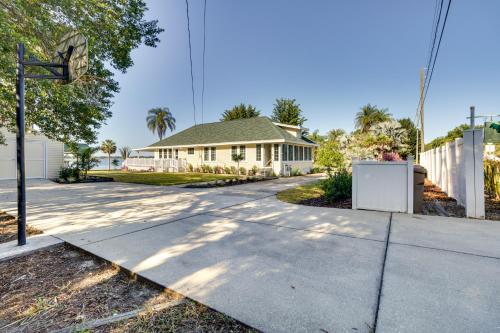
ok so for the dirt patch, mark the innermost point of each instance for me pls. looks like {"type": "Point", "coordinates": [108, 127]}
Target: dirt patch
{"type": "Point", "coordinates": [437, 202]}
{"type": "Point", "coordinates": [8, 228]}
{"type": "Point", "coordinates": [323, 202]}
{"type": "Point", "coordinates": [59, 287]}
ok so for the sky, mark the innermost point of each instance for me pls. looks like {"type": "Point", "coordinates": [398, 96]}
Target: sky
{"type": "Point", "coordinates": [331, 56]}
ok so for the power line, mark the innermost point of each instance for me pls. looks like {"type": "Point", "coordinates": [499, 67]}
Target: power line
{"type": "Point", "coordinates": [204, 41]}
{"type": "Point", "coordinates": [437, 50]}
{"type": "Point", "coordinates": [191, 61]}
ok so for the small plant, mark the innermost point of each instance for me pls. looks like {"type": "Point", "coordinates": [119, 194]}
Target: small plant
{"type": "Point", "coordinates": [492, 178]}
{"type": "Point", "coordinates": [218, 169]}
{"type": "Point", "coordinates": [338, 186]}
{"type": "Point", "coordinates": [227, 170]}
{"type": "Point", "coordinates": [296, 172]}
{"type": "Point", "coordinates": [242, 171]}
{"type": "Point", "coordinates": [190, 167]}
{"type": "Point", "coordinates": [238, 158]}
{"type": "Point", "coordinates": [234, 171]}
{"type": "Point", "coordinates": [254, 170]}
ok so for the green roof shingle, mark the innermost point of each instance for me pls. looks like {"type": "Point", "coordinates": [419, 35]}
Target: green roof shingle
{"type": "Point", "coordinates": [241, 130]}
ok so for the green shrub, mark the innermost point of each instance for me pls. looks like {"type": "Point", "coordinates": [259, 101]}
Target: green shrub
{"type": "Point", "coordinates": [218, 169]}
{"type": "Point", "coordinates": [233, 170]}
{"type": "Point", "coordinates": [338, 186]}
{"type": "Point", "coordinates": [64, 173]}
{"type": "Point", "coordinates": [227, 170]}
{"type": "Point", "coordinates": [315, 170]}
{"type": "Point", "coordinates": [190, 167]}
{"type": "Point", "coordinates": [243, 171]}
{"type": "Point", "coordinates": [492, 178]}
{"type": "Point", "coordinates": [296, 172]}
{"type": "Point", "coordinates": [254, 170]}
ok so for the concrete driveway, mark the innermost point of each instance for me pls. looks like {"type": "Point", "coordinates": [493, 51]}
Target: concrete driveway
{"type": "Point", "coordinates": [280, 267]}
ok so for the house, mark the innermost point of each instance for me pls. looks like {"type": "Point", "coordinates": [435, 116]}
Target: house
{"type": "Point", "coordinates": [267, 145]}
{"type": "Point", "coordinates": [43, 156]}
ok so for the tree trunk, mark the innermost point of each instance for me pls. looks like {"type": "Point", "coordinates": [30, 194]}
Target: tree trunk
{"type": "Point", "coordinates": [109, 162]}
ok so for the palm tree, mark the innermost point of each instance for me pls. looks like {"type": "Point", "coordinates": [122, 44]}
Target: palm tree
{"type": "Point", "coordinates": [125, 152]}
{"type": "Point", "coordinates": [159, 120]}
{"type": "Point", "coordinates": [241, 111]}
{"type": "Point", "coordinates": [238, 158]}
{"type": "Point", "coordinates": [369, 116]}
{"type": "Point", "coordinates": [108, 147]}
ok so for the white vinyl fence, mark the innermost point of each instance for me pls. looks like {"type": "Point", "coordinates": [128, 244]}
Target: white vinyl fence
{"type": "Point", "coordinates": [457, 168]}
{"type": "Point", "coordinates": [156, 164]}
{"type": "Point", "coordinates": [384, 186]}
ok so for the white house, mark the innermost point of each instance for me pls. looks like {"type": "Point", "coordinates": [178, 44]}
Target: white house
{"type": "Point", "coordinates": [265, 144]}
{"type": "Point", "coordinates": [43, 157]}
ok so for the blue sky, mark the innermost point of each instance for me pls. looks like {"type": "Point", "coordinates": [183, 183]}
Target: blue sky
{"type": "Point", "coordinates": [332, 56]}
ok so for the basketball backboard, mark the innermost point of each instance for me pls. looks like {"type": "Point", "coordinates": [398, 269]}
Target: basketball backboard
{"type": "Point", "coordinates": [78, 59]}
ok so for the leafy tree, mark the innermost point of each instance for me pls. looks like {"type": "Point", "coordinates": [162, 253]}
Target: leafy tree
{"type": "Point", "coordinates": [70, 113]}
{"type": "Point", "coordinates": [287, 111]}
{"type": "Point", "coordinates": [329, 156]}
{"type": "Point", "coordinates": [159, 120]}
{"type": "Point", "coordinates": [238, 158]}
{"type": "Point", "coordinates": [457, 132]}
{"type": "Point", "coordinates": [316, 137]}
{"type": "Point", "coordinates": [389, 136]}
{"type": "Point", "coordinates": [335, 134]}
{"type": "Point", "coordinates": [241, 111]}
{"type": "Point", "coordinates": [370, 115]}
{"type": "Point", "coordinates": [108, 147]}
{"type": "Point", "coordinates": [125, 152]}
{"type": "Point", "coordinates": [411, 141]}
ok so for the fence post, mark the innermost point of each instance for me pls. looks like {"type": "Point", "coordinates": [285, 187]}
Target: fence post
{"type": "Point", "coordinates": [474, 173]}
{"type": "Point", "coordinates": [409, 164]}
{"type": "Point", "coordinates": [354, 183]}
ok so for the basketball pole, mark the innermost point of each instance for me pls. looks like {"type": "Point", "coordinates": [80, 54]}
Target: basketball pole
{"type": "Point", "coordinates": [21, 76]}
{"type": "Point", "coordinates": [21, 176]}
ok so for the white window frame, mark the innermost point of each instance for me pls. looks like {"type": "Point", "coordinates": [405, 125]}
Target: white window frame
{"type": "Point", "coordinates": [276, 152]}
{"type": "Point", "coordinates": [176, 154]}
{"type": "Point", "coordinates": [258, 153]}
{"type": "Point", "coordinates": [206, 154]}
{"type": "Point", "coordinates": [243, 151]}
{"type": "Point", "coordinates": [213, 154]}
{"type": "Point", "coordinates": [190, 151]}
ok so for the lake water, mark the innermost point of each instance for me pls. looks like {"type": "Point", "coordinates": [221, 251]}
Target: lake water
{"type": "Point", "coordinates": [103, 163]}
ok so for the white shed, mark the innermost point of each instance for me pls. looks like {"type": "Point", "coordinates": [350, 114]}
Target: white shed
{"type": "Point", "coordinates": [44, 157]}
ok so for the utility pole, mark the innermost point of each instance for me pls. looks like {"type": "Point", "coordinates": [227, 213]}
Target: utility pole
{"type": "Point", "coordinates": [422, 96]}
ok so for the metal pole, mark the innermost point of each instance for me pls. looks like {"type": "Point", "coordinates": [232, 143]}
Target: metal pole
{"type": "Point", "coordinates": [21, 184]}
{"type": "Point", "coordinates": [472, 117]}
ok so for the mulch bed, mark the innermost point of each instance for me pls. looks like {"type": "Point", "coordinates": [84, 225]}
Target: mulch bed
{"type": "Point", "coordinates": [323, 202]}
{"type": "Point", "coordinates": [229, 182]}
{"type": "Point", "coordinates": [437, 202]}
{"type": "Point", "coordinates": [8, 228]}
{"type": "Point", "coordinates": [60, 287]}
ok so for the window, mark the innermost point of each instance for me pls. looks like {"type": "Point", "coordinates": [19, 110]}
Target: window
{"type": "Point", "coordinates": [309, 153]}
{"type": "Point", "coordinates": [169, 152]}
{"type": "Point", "coordinates": [177, 154]}
{"type": "Point", "coordinates": [160, 153]}
{"type": "Point", "coordinates": [276, 152]}
{"type": "Point", "coordinates": [190, 151]}
{"type": "Point", "coordinates": [234, 151]}
{"type": "Point", "coordinates": [243, 152]}
{"type": "Point", "coordinates": [301, 153]}
{"type": "Point", "coordinates": [306, 153]}
{"type": "Point", "coordinates": [258, 156]}
{"type": "Point", "coordinates": [295, 153]}
{"type": "Point", "coordinates": [284, 152]}
{"type": "Point", "coordinates": [205, 153]}
{"type": "Point", "coordinates": [213, 154]}
{"type": "Point", "coordinates": [290, 153]}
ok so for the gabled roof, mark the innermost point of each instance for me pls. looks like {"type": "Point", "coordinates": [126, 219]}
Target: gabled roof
{"type": "Point", "coordinates": [241, 130]}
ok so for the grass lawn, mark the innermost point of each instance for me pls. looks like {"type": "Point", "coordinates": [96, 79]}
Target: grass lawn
{"type": "Point", "coordinates": [302, 193]}
{"type": "Point", "coordinates": [159, 178]}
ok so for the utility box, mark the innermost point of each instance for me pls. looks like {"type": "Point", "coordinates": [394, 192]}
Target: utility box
{"type": "Point", "coordinates": [419, 175]}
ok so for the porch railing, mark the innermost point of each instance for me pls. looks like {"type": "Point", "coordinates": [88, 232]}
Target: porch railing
{"type": "Point", "coordinates": [156, 164]}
